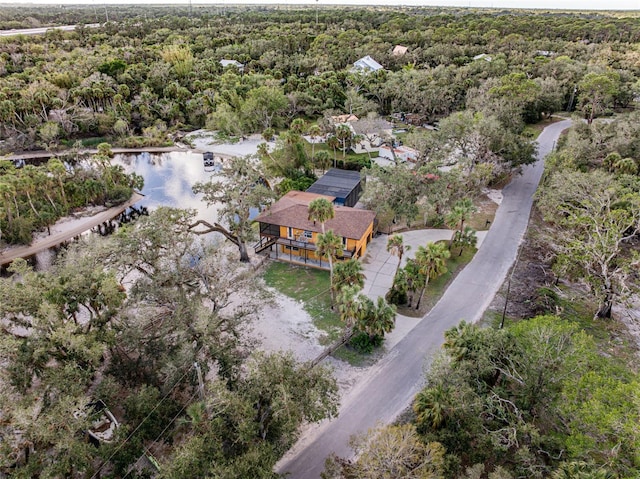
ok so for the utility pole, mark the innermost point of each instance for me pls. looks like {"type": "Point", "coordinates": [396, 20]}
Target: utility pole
{"type": "Point", "coordinates": [106, 13]}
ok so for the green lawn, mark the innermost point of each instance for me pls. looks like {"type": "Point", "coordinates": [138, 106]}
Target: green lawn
{"type": "Point", "coordinates": [437, 287]}
{"type": "Point", "coordinates": [311, 287]}
{"type": "Point", "coordinates": [349, 157]}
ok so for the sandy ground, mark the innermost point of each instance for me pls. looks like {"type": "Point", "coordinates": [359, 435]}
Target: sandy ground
{"type": "Point", "coordinates": [204, 140]}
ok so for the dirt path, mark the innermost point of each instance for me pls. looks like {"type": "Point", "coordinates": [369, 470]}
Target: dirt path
{"type": "Point", "coordinates": [70, 230]}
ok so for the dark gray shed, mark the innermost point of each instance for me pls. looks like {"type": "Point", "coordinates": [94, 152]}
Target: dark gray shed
{"type": "Point", "coordinates": [344, 185]}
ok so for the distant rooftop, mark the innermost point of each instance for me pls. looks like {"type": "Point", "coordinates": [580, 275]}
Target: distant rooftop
{"type": "Point", "coordinates": [399, 50]}
{"type": "Point", "coordinates": [367, 64]}
{"type": "Point", "coordinates": [347, 118]}
{"type": "Point", "coordinates": [235, 63]}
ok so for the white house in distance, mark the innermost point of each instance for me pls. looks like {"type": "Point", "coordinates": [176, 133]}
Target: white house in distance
{"type": "Point", "coordinates": [402, 153]}
{"type": "Point", "coordinates": [483, 56]}
{"type": "Point", "coordinates": [366, 65]}
{"type": "Point", "coordinates": [232, 63]}
{"type": "Point", "coordinates": [373, 132]}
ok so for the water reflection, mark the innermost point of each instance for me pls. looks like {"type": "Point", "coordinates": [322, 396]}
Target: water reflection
{"type": "Point", "coordinates": [168, 179]}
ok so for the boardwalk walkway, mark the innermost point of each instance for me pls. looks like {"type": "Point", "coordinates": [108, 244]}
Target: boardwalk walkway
{"type": "Point", "coordinates": [75, 228]}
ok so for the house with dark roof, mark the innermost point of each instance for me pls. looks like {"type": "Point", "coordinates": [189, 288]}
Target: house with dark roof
{"type": "Point", "coordinates": [343, 185]}
{"type": "Point", "coordinates": [289, 234]}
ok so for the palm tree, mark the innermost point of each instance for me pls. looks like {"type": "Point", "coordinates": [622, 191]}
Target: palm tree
{"type": "Point", "coordinates": [413, 278]}
{"type": "Point", "coordinates": [298, 126]}
{"type": "Point", "coordinates": [349, 306]}
{"type": "Point", "coordinates": [461, 211]}
{"type": "Point", "coordinates": [59, 172]}
{"type": "Point", "coordinates": [344, 136]}
{"type": "Point", "coordinates": [314, 132]}
{"type": "Point", "coordinates": [464, 239]}
{"type": "Point", "coordinates": [7, 191]}
{"type": "Point", "coordinates": [329, 246]}
{"type": "Point", "coordinates": [378, 319]}
{"type": "Point", "coordinates": [322, 160]}
{"type": "Point", "coordinates": [348, 273]}
{"type": "Point", "coordinates": [321, 210]}
{"type": "Point", "coordinates": [432, 262]}
{"type": "Point", "coordinates": [581, 470]}
{"type": "Point", "coordinates": [432, 406]}
{"type": "Point", "coordinates": [28, 184]}
{"type": "Point", "coordinates": [333, 143]}
{"type": "Point", "coordinates": [395, 246]}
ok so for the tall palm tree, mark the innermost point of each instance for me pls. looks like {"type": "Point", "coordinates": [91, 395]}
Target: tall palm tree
{"type": "Point", "coordinates": [322, 160]}
{"type": "Point", "coordinates": [344, 136]}
{"type": "Point", "coordinates": [348, 273]}
{"type": "Point", "coordinates": [59, 172]}
{"type": "Point", "coordinates": [349, 306]}
{"type": "Point", "coordinates": [7, 192]}
{"type": "Point", "coordinates": [413, 278]}
{"type": "Point", "coordinates": [432, 262]}
{"type": "Point", "coordinates": [27, 183]}
{"type": "Point", "coordinates": [314, 132]}
{"type": "Point", "coordinates": [333, 143]}
{"type": "Point", "coordinates": [321, 210]}
{"type": "Point", "coordinates": [395, 246]}
{"type": "Point", "coordinates": [329, 246]}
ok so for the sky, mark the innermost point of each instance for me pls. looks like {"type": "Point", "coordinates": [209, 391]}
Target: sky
{"type": "Point", "coordinates": [538, 4]}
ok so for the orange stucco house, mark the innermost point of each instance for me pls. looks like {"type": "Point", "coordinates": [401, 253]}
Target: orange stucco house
{"type": "Point", "coordinates": [285, 229]}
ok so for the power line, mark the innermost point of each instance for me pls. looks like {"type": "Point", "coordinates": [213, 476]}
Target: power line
{"type": "Point", "coordinates": [120, 446]}
{"type": "Point", "coordinates": [166, 427]}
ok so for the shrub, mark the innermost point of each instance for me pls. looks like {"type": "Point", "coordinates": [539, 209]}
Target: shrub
{"type": "Point", "coordinates": [117, 194]}
{"type": "Point", "coordinates": [365, 344]}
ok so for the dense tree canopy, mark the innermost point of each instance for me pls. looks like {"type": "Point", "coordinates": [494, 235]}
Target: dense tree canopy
{"type": "Point", "coordinates": [124, 319]}
{"type": "Point", "coordinates": [148, 72]}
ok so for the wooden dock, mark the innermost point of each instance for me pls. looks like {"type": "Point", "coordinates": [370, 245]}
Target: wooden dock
{"type": "Point", "coordinates": [78, 227]}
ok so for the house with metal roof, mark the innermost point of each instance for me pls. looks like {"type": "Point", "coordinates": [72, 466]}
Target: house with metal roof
{"type": "Point", "coordinates": [343, 185]}
{"type": "Point", "coordinates": [232, 63]}
{"type": "Point", "coordinates": [366, 65]}
{"type": "Point", "coordinates": [289, 235]}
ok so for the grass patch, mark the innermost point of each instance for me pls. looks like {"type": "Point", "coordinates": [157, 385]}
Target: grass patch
{"type": "Point", "coordinates": [349, 158]}
{"type": "Point", "coordinates": [486, 212]}
{"type": "Point", "coordinates": [533, 131]}
{"type": "Point", "coordinates": [309, 286]}
{"type": "Point", "coordinates": [436, 287]}
{"type": "Point", "coordinates": [355, 358]}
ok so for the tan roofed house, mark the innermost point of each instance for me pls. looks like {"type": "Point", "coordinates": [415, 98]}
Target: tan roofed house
{"type": "Point", "coordinates": [399, 50]}
{"type": "Point", "coordinates": [285, 229]}
{"type": "Point", "coordinates": [342, 119]}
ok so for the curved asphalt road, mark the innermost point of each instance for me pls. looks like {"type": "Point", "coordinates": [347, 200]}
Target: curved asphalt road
{"type": "Point", "coordinates": [385, 393]}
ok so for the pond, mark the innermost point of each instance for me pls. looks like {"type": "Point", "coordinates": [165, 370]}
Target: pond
{"type": "Point", "coordinates": [168, 179]}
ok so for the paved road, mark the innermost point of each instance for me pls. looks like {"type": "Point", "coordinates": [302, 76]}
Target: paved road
{"type": "Point", "coordinates": [65, 234]}
{"type": "Point", "coordinates": [381, 396]}
{"type": "Point", "coordinates": [42, 30]}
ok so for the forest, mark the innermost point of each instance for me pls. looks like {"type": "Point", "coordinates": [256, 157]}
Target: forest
{"type": "Point", "coordinates": [136, 319]}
